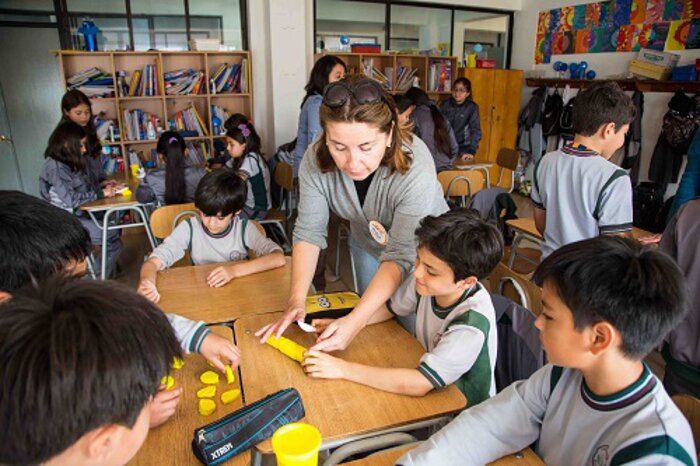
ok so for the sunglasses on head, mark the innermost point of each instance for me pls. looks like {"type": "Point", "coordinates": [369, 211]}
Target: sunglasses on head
{"type": "Point", "coordinates": [364, 92]}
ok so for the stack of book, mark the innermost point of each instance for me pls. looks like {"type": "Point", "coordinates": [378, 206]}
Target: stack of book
{"type": "Point", "coordinates": [369, 70]}
{"type": "Point", "coordinates": [145, 82]}
{"type": "Point", "coordinates": [112, 160]}
{"type": "Point", "coordinates": [107, 129]}
{"type": "Point", "coordinates": [404, 79]}
{"type": "Point", "coordinates": [198, 153]}
{"type": "Point", "coordinates": [222, 115]}
{"type": "Point", "coordinates": [189, 123]}
{"type": "Point", "coordinates": [440, 76]}
{"type": "Point", "coordinates": [140, 125]}
{"type": "Point", "coordinates": [230, 78]}
{"type": "Point", "coordinates": [183, 82]}
{"type": "Point", "coordinates": [92, 82]}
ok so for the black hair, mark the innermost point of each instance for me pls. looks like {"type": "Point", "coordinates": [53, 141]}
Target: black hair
{"type": "Point", "coordinates": [235, 120]}
{"type": "Point", "coordinates": [600, 104]}
{"type": "Point", "coordinates": [252, 141]}
{"type": "Point", "coordinates": [64, 145]}
{"type": "Point", "coordinates": [441, 131]}
{"type": "Point", "coordinates": [470, 245]}
{"type": "Point", "coordinates": [318, 79]}
{"type": "Point", "coordinates": [221, 192]}
{"type": "Point", "coordinates": [464, 82]}
{"type": "Point", "coordinates": [638, 290]}
{"type": "Point", "coordinates": [72, 99]}
{"type": "Point", "coordinates": [76, 355]}
{"type": "Point", "coordinates": [37, 240]}
{"type": "Point", "coordinates": [172, 147]}
{"type": "Point", "coordinates": [402, 102]}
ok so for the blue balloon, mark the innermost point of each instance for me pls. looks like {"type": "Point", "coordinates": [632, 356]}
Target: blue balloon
{"type": "Point", "coordinates": [557, 66]}
{"type": "Point", "coordinates": [345, 40]}
{"type": "Point", "coordinates": [591, 74]}
{"type": "Point", "coordinates": [478, 48]}
{"type": "Point", "coordinates": [583, 65]}
{"type": "Point", "coordinates": [573, 67]}
{"type": "Point", "coordinates": [563, 67]}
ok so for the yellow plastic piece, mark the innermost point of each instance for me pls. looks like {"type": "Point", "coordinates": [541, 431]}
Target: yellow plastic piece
{"type": "Point", "coordinates": [207, 392]}
{"type": "Point", "coordinates": [287, 347]}
{"type": "Point", "coordinates": [229, 375]}
{"type": "Point", "coordinates": [206, 407]}
{"type": "Point", "coordinates": [168, 381]}
{"type": "Point", "coordinates": [296, 444]}
{"type": "Point", "coordinates": [178, 363]}
{"type": "Point", "coordinates": [209, 378]}
{"type": "Point", "coordinates": [126, 194]}
{"type": "Point", "coordinates": [230, 396]}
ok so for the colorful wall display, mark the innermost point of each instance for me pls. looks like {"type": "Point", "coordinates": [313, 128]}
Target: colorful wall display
{"type": "Point", "coordinates": [618, 26]}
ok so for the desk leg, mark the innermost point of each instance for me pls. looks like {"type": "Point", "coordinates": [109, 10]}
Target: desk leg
{"type": "Point", "coordinates": [487, 176]}
{"type": "Point", "coordinates": [103, 252]}
{"type": "Point", "coordinates": [146, 225]}
{"type": "Point", "coordinates": [514, 249]}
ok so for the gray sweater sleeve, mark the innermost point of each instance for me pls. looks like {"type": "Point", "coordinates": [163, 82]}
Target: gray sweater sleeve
{"type": "Point", "coordinates": [173, 248]}
{"type": "Point", "coordinates": [313, 211]}
{"type": "Point", "coordinates": [62, 190]}
{"type": "Point", "coordinates": [256, 241]}
{"type": "Point", "coordinates": [189, 333]}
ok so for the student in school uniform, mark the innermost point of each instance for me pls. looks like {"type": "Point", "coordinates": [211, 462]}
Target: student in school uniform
{"type": "Point", "coordinates": [243, 145]}
{"type": "Point", "coordinates": [177, 181]}
{"type": "Point", "coordinates": [433, 128]}
{"type": "Point", "coordinates": [39, 241]}
{"type": "Point", "coordinates": [367, 168]}
{"type": "Point", "coordinates": [456, 321]}
{"type": "Point", "coordinates": [80, 361]}
{"type": "Point", "coordinates": [405, 107]}
{"type": "Point", "coordinates": [576, 192]}
{"type": "Point", "coordinates": [218, 234]}
{"type": "Point", "coordinates": [607, 302]}
{"type": "Point", "coordinates": [64, 181]}
{"type": "Point", "coordinates": [463, 115]}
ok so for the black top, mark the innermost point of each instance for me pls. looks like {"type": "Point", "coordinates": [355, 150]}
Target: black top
{"type": "Point", "coordinates": [362, 187]}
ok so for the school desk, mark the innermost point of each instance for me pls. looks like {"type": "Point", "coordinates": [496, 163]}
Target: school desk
{"type": "Point", "coordinates": [343, 411]}
{"type": "Point", "coordinates": [526, 457]}
{"type": "Point", "coordinates": [171, 442]}
{"type": "Point", "coordinates": [474, 165]}
{"type": "Point", "coordinates": [524, 228]}
{"type": "Point", "coordinates": [111, 209]}
{"type": "Point", "coordinates": [184, 291]}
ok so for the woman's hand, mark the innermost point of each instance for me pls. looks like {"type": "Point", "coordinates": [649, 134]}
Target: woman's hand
{"type": "Point", "coordinates": [295, 313]}
{"type": "Point", "coordinates": [338, 334]}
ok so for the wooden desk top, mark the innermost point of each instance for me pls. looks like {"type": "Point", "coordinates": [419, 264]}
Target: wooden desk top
{"type": "Point", "coordinates": [527, 225]}
{"type": "Point", "coordinates": [171, 443]}
{"type": "Point", "coordinates": [528, 458]}
{"type": "Point", "coordinates": [109, 202]}
{"type": "Point", "coordinates": [338, 408]}
{"type": "Point", "coordinates": [184, 291]}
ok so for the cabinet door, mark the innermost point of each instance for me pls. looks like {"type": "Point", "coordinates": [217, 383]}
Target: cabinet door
{"type": "Point", "coordinates": [482, 92]}
{"type": "Point", "coordinates": [506, 105]}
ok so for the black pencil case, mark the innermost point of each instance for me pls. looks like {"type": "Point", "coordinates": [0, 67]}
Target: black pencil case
{"type": "Point", "coordinates": [243, 429]}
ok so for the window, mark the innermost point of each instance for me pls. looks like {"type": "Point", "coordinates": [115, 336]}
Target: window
{"type": "Point", "coordinates": [228, 29]}
{"type": "Point", "coordinates": [109, 17]}
{"type": "Point", "coordinates": [418, 28]}
{"type": "Point", "coordinates": [362, 22]}
{"type": "Point", "coordinates": [487, 29]}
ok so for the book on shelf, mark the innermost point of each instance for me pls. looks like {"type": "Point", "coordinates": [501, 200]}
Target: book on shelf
{"type": "Point", "coordinates": [140, 125]}
{"type": "Point", "coordinates": [188, 120]}
{"type": "Point", "coordinates": [220, 114]}
{"type": "Point", "coordinates": [111, 160]}
{"type": "Point", "coordinates": [144, 83]}
{"type": "Point", "coordinates": [369, 70]}
{"type": "Point", "coordinates": [92, 82]}
{"type": "Point", "coordinates": [198, 153]}
{"type": "Point", "coordinates": [107, 129]}
{"type": "Point", "coordinates": [230, 79]}
{"type": "Point", "coordinates": [440, 75]}
{"type": "Point", "coordinates": [404, 78]}
{"type": "Point", "coordinates": [183, 82]}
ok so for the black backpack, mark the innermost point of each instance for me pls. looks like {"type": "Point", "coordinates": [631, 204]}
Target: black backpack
{"type": "Point", "coordinates": [553, 107]}
{"type": "Point", "coordinates": [566, 121]}
{"type": "Point", "coordinates": [647, 200]}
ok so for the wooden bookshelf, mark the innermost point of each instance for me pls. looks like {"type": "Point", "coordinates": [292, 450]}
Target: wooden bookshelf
{"type": "Point", "coordinates": [163, 106]}
{"type": "Point", "coordinates": [381, 61]}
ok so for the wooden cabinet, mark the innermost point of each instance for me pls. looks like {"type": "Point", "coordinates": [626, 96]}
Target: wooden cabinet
{"type": "Point", "coordinates": [497, 92]}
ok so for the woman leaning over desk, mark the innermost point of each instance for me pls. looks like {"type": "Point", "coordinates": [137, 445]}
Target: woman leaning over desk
{"type": "Point", "coordinates": [369, 170]}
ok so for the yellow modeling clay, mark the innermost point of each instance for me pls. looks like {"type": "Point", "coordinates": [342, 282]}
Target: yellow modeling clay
{"type": "Point", "coordinates": [178, 363]}
{"type": "Point", "coordinates": [230, 396]}
{"type": "Point", "coordinates": [206, 407]}
{"type": "Point", "coordinates": [287, 347]}
{"type": "Point", "coordinates": [209, 378]}
{"type": "Point", "coordinates": [229, 375]}
{"type": "Point", "coordinates": [207, 392]}
{"type": "Point", "coordinates": [168, 381]}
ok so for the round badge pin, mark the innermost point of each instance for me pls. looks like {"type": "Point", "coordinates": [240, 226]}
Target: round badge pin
{"type": "Point", "coordinates": [378, 232]}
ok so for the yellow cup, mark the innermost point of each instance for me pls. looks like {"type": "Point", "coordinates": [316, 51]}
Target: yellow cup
{"type": "Point", "coordinates": [126, 194]}
{"type": "Point", "coordinates": [134, 169]}
{"type": "Point", "coordinates": [296, 444]}
{"type": "Point", "coordinates": [471, 60]}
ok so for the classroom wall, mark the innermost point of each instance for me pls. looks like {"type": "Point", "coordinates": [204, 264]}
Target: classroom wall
{"type": "Point", "coordinates": [605, 65]}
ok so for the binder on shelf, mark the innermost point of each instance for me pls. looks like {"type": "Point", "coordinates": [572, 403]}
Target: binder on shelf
{"type": "Point", "coordinates": [92, 82]}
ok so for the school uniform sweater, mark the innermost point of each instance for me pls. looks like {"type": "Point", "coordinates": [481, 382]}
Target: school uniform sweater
{"type": "Point", "coordinates": [65, 188]}
{"type": "Point", "coordinates": [464, 120]}
{"type": "Point", "coordinates": [425, 129]}
{"type": "Point", "coordinates": [152, 187]}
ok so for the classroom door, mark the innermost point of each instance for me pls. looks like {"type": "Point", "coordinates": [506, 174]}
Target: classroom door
{"type": "Point", "coordinates": [31, 90]}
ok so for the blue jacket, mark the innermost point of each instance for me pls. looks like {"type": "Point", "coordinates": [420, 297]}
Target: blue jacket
{"type": "Point", "coordinates": [464, 120]}
{"type": "Point", "coordinates": [309, 128]}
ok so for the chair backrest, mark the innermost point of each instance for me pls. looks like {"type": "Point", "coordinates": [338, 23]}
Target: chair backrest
{"type": "Point", "coordinates": [461, 182]}
{"type": "Point", "coordinates": [162, 218]}
{"type": "Point", "coordinates": [690, 407]}
{"type": "Point", "coordinates": [517, 288]}
{"type": "Point", "coordinates": [507, 161]}
{"type": "Point", "coordinates": [284, 176]}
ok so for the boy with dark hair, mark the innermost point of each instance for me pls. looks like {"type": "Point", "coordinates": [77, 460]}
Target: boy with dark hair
{"type": "Point", "coordinates": [455, 319]}
{"type": "Point", "coordinates": [218, 234]}
{"type": "Point", "coordinates": [39, 241]}
{"type": "Point", "coordinates": [607, 302]}
{"type": "Point", "coordinates": [577, 193]}
{"type": "Point", "coordinates": [79, 364]}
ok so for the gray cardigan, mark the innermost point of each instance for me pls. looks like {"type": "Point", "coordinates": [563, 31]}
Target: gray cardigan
{"type": "Point", "coordinates": [397, 201]}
